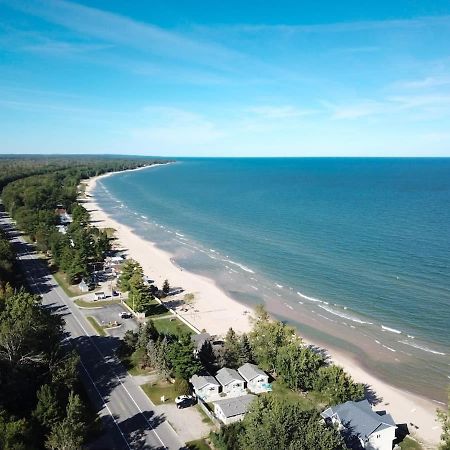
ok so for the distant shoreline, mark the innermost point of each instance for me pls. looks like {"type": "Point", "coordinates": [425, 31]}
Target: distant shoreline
{"type": "Point", "coordinates": [216, 312]}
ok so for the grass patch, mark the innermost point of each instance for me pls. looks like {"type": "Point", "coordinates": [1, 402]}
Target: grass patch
{"type": "Point", "coordinates": [199, 444]}
{"type": "Point", "coordinates": [205, 418]}
{"type": "Point", "coordinates": [307, 401]}
{"type": "Point", "coordinates": [131, 363]}
{"type": "Point", "coordinates": [155, 391]}
{"type": "Point", "coordinates": [96, 304]}
{"type": "Point", "coordinates": [410, 444]}
{"type": "Point", "coordinates": [60, 278]}
{"type": "Point", "coordinates": [172, 325]}
{"type": "Point", "coordinates": [96, 326]}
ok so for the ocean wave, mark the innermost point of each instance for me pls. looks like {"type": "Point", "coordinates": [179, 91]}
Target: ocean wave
{"type": "Point", "coordinates": [144, 217]}
{"type": "Point", "coordinates": [392, 330]}
{"type": "Point", "coordinates": [278, 285]}
{"type": "Point", "coordinates": [389, 348]}
{"type": "Point", "coordinates": [254, 287]}
{"type": "Point", "coordinates": [244, 268]}
{"type": "Point", "coordinates": [311, 299]}
{"type": "Point", "coordinates": [422, 347]}
{"type": "Point", "coordinates": [179, 234]}
{"type": "Point", "coordinates": [343, 315]}
{"type": "Point", "coordinates": [288, 306]}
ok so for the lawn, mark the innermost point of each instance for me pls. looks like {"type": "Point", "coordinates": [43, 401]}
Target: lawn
{"type": "Point", "coordinates": [410, 444]}
{"type": "Point", "coordinates": [306, 400]}
{"type": "Point", "coordinates": [131, 363]}
{"type": "Point", "coordinates": [199, 444]}
{"type": "Point", "coordinates": [96, 304]}
{"type": "Point", "coordinates": [155, 391]}
{"type": "Point", "coordinates": [70, 290]}
{"type": "Point", "coordinates": [153, 308]}
{"type": "Point", "coordinates": [96, 326]}
{"type": "Point", "coordinates": [171, 325]}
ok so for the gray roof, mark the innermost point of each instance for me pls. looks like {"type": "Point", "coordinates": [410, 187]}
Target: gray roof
{"type": "Point", "coordinates": [359, 418]}
{"type": "Point", "coordinates": [235, 406]}
{"type": "Point", "coordinates": [250, 371]}
{"type": "Point", "coordinates": [200, 381]}
{"type": "Point", "coordinates": [226, 376]}
{"type": "Point", "coordinates": [200, 339]}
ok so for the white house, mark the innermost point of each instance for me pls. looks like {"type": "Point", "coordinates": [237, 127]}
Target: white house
{"type": "Point", "coordinates": [206, 387]}
{"type": "Point", "coordinates": [374, 430]}
{"type": "Point", "coordinates": [229, 410]}
{"type": "Point", "coordinates": [257, 380]}
{"type": "Point", "coordinates": [83, 286]}
{"type": "Point", "coordinates": [233, 385]}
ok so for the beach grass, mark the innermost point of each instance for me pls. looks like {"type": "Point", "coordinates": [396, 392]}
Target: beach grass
{"type": "Point", "coordinates": [96, 326]}
{"type": "Point", "coordinates": [155, 391]}
{"type": "Point", "coordinates": [172, 325]}
{"type": "Point", "coordinates": [96, 304]}
{"type": "Point", "coordinates": [205, 418]}
{"type": "Point", "coordinates": [199, 444]}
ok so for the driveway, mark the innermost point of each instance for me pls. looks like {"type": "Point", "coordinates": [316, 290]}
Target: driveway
{"type": "Point", "coordinates": [187, 423]}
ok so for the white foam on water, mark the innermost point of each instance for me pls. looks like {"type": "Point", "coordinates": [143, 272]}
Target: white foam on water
{"type": "Point", "coordinates": [212, 250]}
{"type": "Point", "coordinates": [410, 336]}
{"type": "Point", "coordinates": [179, 234]}
{"type": "Point", "coordinates": [378, 342]}
{"type": "Point", "coordinates": [301, 303]}
{"type": "Point", "coordinates": [254, 287]}
{"type": "Point", "coordinates": [244, 268]}
{"type": "Point", "coordinates": [288, 306]}
{"type": "Point", "coordinates": [311, 299]}
{"type": "Point", "coordinates": [389, 348]}
{"type": "Point", "coordinates": [392, 330]}
{"type": "Point", "coordinates": [344, 315]}
{"type": "Point", "coordinates": [422, 347]}
{"type": "Point", "coordinates": [144, 217]}
{"type": "Point", "coordinates": [325, 317]}
{"type": "Point", "coordinates": [278, 285]}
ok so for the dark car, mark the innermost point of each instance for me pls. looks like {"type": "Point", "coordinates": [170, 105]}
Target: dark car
{"type": "Point", "coordinates": [184, 401]}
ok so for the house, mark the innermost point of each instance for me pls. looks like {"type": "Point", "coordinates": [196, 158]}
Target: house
{"type": "Point", "coordinates": [99, 295]}
{"type": "Point", "coordinates": [374, 430]}
{"type": "Point", "coordinates": [233, 385]}
{"type": "Point", "coordinates": [205, 387]}
{"type": "Point", "coordinates": [257, 380]}
{"type": "Point", "coordinates": [199, 340]}
{"type": "Point", "coordinates": [229, 410]}
{"type": "Point", "coordinates": [83, 286]}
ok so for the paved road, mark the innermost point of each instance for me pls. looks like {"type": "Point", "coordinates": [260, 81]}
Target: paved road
{"type": "Point", "coordinates": [127, 413]}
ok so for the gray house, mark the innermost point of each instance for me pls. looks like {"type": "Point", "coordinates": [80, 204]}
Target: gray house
{"type": "Point", "coordinates": [205, 387]}
{"type": "Point", "coordinates": [374, 430]}
{"type": "Point", "coordinates": [233, 385]}
{"type": "Point", "coordinates": [231, 410]}
{"type": "Point", "coordinates": [257, 380]}
{"type": "Point", "coordinates": [83, 286]}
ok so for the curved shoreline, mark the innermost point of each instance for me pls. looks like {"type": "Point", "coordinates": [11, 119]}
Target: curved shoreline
{"type": "Point", "coordinates": [216, 312]}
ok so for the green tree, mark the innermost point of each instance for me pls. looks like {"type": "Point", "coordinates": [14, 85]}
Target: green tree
{"type": "Point", "coordinates": [273, 422]}
{"type": "Point", "coordinates": [146, 333]}
{"type": "Point", "coordinates": [70, 433]}
{"type": "Point", "coordinates": [182, 359]}
{"type": "Point", "coordinates": [129, 268]}
{"type": "Point", "coordinates": [48, 409]}
{"type": "Point", "coordinates": [337, 385]}
{"type": "Point", "coordinates": [14, 434]}
{"type": "Point", "coordinates": [298, 366]}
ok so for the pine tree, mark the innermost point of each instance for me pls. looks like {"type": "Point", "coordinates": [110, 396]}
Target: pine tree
{"type": "Point", "coordinates": [48, 411]}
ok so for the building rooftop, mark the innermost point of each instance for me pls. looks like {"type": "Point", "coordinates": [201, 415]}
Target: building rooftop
{"type": "Point", "coordinates": [359, 417]}
{"type": "Point", "coordinates": [235, 406]}
{"type": "Point", "coordinates": [226, 376]}
{"type": "Point", "coordinates": [250, 371]}
{"type": "Point", "coordinates": [200, 381]}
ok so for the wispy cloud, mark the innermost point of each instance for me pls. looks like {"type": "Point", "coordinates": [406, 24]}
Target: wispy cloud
{"type": "Point", "coordinates": [121, 30]}
{"type": "Point", "coordinates": [428, 82]}
{"type": "Point", "coordinates": [279, 112]}
{"type": "Point", "coordinates": [363, 108]}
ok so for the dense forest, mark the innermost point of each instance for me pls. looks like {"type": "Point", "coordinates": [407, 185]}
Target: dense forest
{"type": "Point", "coordinates": [41, 398]}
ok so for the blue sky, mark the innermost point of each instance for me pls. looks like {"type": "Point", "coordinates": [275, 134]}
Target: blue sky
{"type": "Point", "coordinates": [234, 78]}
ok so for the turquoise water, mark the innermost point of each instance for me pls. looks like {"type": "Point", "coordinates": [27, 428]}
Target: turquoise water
{"type": "Point", "coordinates": [361, 246]}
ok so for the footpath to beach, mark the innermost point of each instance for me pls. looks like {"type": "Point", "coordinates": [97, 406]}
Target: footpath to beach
{"type": "Point", "coordinates": [216, 312]}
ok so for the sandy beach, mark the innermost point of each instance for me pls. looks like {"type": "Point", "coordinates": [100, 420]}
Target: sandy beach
{"type": "Point", "coordinates": [216, 312]}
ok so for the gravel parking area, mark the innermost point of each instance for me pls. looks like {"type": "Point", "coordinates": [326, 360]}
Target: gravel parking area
{"type": "Point", "coordinates": [187, 422]}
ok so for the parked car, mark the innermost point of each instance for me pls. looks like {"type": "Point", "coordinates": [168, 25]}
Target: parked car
{"type": "Point", "coordinates": [184, 401]}
{"type": "Point", "coordinates": [125, 315]}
